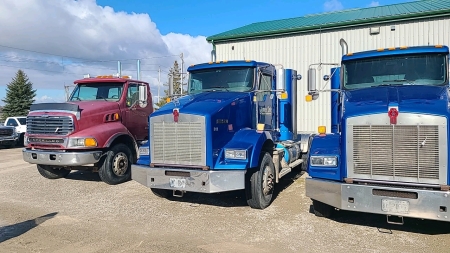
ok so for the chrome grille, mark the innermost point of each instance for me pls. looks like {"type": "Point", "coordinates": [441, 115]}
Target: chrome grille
{"type": "Point", "coordinates": [53, 125]}
{"type": "Point", "coordinates": [181, 143]}
{"type": "Point", "coordinates": [413, 150]}
{"type": "Point", "coordinates": [397, 151]}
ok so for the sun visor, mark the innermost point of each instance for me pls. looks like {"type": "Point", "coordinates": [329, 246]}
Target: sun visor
{"type": "Point", "coordinates": [55, 106]}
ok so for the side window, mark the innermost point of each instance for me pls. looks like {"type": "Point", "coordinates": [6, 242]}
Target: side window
{"type": "Point", "coordinates": [11, 122]}
{"type": "Point", "coordinates": [265, 84]}
{"type": "Point", "coordinates": [132, 94]}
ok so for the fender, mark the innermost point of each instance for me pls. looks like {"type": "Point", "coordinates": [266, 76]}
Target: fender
{"type": "Point", "coordinates": [326, 145]}
{"type": "Point", "coordinates": [248, 139]}
{"type": "Point", "coordinates": [105, 134]}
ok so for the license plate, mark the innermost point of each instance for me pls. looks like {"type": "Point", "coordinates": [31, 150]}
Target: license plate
{"type": "Point", "coordinates": [395, 206]}
{"type": "Point", "coordinates": [177, 182]}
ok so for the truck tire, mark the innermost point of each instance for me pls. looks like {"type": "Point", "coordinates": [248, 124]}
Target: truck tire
{"type": "Point", "coordinates": [21, 140]}
{"type": "Point", "coordinates": [52, 172]}
{"type": "Point", "coordinates": [162, 193]}
{"type": "Point", "coordinates": [322, 209]}
{"type": "Point", "coordinates": [116, 166]}
{"type": "Point", "coordinates": [260, 183]}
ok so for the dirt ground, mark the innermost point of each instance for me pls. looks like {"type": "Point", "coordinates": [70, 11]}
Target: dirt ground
{"type": "Point", "coordinates": [83, 214]}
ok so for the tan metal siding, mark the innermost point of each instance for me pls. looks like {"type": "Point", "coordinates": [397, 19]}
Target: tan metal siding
{"type": "Point", "coordinates": [298, 51]}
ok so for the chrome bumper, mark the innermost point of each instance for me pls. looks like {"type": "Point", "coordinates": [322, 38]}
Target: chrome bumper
{"type": "Point", "coordinates": [422, 204]}
{"type": "Point", "coordinates": [194, 180]}
{"type": "Point", "coordinates": [61, 158]}
{"type": "Point", "coordinates": [8, 139]}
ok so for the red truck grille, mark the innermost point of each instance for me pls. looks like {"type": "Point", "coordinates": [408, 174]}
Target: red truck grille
{"type": "Point", "coordinates": [51, 125]}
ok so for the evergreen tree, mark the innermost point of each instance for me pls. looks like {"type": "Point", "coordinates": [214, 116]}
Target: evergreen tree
{"type": "Point", "coordinates": [176, 72]}
{"type": "Point", "coordinates": [19, 96]}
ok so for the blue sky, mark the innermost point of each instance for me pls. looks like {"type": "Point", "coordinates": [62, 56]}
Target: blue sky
{"type": "Point", "coordinates": [72, 36]}
{"type": "Point", "coordinates": [209, 17]}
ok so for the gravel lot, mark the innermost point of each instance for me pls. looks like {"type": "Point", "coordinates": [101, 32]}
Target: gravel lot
{"type": "Point", "coordinates": [83, 214]}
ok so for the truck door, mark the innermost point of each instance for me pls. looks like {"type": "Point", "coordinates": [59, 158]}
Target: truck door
{"type": "Point", "coordinates": [135, 117]}
{"type": "Point", "coordinates": [265, 101]}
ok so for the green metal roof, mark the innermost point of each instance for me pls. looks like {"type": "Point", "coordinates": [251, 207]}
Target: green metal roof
{"type": "Point", "coordinates": [351, 17]}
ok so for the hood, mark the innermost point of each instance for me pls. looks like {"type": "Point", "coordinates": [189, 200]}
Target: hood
{"type": "Point", "coordinates": [408, 98]}
{"type": "Point", "coordinates": [202, 104]}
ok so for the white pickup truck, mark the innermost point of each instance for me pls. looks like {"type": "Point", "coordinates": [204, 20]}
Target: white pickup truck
{"type": "Point", "coordinates": [20, 124]}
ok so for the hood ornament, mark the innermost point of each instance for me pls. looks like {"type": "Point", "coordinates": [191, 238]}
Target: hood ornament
{"type": "Point", "coordinates": [393, 114]}
{"type": "Point", "coordinates": [176, 114]}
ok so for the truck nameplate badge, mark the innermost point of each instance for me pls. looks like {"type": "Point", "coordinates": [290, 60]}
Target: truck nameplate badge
{"type": "Point", "coordinates": [43, 140]}
{"type": "Point", "coordinates": [393, 114]}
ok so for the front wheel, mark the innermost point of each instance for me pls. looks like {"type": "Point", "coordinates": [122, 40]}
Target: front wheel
{"type": "Point", "coordinates": [52, 172]}
{"type": "Point", "coordinates": [116, 166]}
{"type": "Point", "coordinates": [260, 183]}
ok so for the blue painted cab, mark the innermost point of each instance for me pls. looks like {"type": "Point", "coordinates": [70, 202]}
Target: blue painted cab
{"type": "Point", "coordinates": [234, 130]}
{"type": "Point", "coordinates": [387, 151]}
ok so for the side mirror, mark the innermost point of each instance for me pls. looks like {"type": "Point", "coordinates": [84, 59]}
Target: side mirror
{"type": "Point", "coordinates": [143, 96]}
{"type": "Point", "coordinates": [312, 81]}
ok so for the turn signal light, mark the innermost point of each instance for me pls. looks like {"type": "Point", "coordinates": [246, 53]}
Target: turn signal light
{"type": "Point", "coordinates": [322, 129]}
{"type": "Point", "coordinates": [308, 98]}
{"type": "Point", "coordinates": [284, 95]}
{"type": "Point", "coordinates": [90, 142]}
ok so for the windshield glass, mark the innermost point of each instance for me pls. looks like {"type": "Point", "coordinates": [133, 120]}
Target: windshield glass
{"type": "Point", "coordinates": [224, 79]}
{"type": "Point", "coordinates": [96, 91]}
{"type": "Point", "coordinates": [22, 120]}
{"type": "Point", "coordinates": [419, 69]}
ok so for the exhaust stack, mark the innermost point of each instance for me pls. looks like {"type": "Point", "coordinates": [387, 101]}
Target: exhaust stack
{"type": "Point", "coordinates": [344, 46]}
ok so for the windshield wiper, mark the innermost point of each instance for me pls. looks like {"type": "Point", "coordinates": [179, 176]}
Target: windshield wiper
{"type": "Point", "coordinates": [100, 97]}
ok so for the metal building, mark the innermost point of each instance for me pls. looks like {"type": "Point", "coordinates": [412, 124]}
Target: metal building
{"type": "Point", "coordinates": [298, 42]}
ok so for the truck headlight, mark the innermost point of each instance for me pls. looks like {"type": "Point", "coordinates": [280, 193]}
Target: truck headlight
{"type": "Point", "coordinates": [144, 151]}
{"type": "Point", "coordinates": [82, 142]}
{"type": "Point", "coordinates": [235, 154]}
{"type": "Point", "coordinates": [324, 161]}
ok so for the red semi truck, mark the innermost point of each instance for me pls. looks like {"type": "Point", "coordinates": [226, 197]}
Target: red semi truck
{"type": "Point", "coordinates": [99, 128]}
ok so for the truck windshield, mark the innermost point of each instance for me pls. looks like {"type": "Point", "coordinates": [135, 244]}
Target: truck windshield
{"type": "Point", "coordinates": [417, 69]}
{"type": "Point", "coordinates": [223, 79]}
{"type": "Point", "coordinates": [97, 91]}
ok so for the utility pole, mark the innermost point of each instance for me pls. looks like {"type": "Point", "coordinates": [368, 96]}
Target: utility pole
{"type": "Point", "coordinates": [159, 81]}
{"type": "Point", "coordinates": [182, 72]}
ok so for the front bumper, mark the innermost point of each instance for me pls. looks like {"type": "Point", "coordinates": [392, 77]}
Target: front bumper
{"type": "Point", "coordinates": [8, 139]}
{"type": "Point", "coordinates": [59, 158]}
{"type": "Point", "coordinates": [189, 180]}
{"type": "Point", "coordinates": [414, 203]}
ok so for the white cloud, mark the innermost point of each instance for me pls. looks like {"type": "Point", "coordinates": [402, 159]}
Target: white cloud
{"type": "Point", "coordinates": [80, 30]}
{"type": "Point", "coordinates": [48, 99]}
{"type": "Point", "coordinates": [374, 4]}
{"type": "Point", "coordinates": [332, 5]}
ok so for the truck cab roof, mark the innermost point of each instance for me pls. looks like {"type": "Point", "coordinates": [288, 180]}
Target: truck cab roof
{"type": "Point", "coordinates": [225, 64]}
{"type": "Point", "coordinates": [396, 51]}
{"type": "Point", "coordinates": [107, 79]}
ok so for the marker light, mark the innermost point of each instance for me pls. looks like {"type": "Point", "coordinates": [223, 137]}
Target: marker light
{"type": "Point", "coordinates": [284, 95]}
{"type": "Point", "coordinates": [308, 98]}
{"type": "Point", "coordinates": [322, 129]}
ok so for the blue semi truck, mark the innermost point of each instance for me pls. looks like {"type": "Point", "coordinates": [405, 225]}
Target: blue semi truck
{"type": "Point", "coordinates": [236, 129]}
{"type": "Point", "coordinates": [387, 151]}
